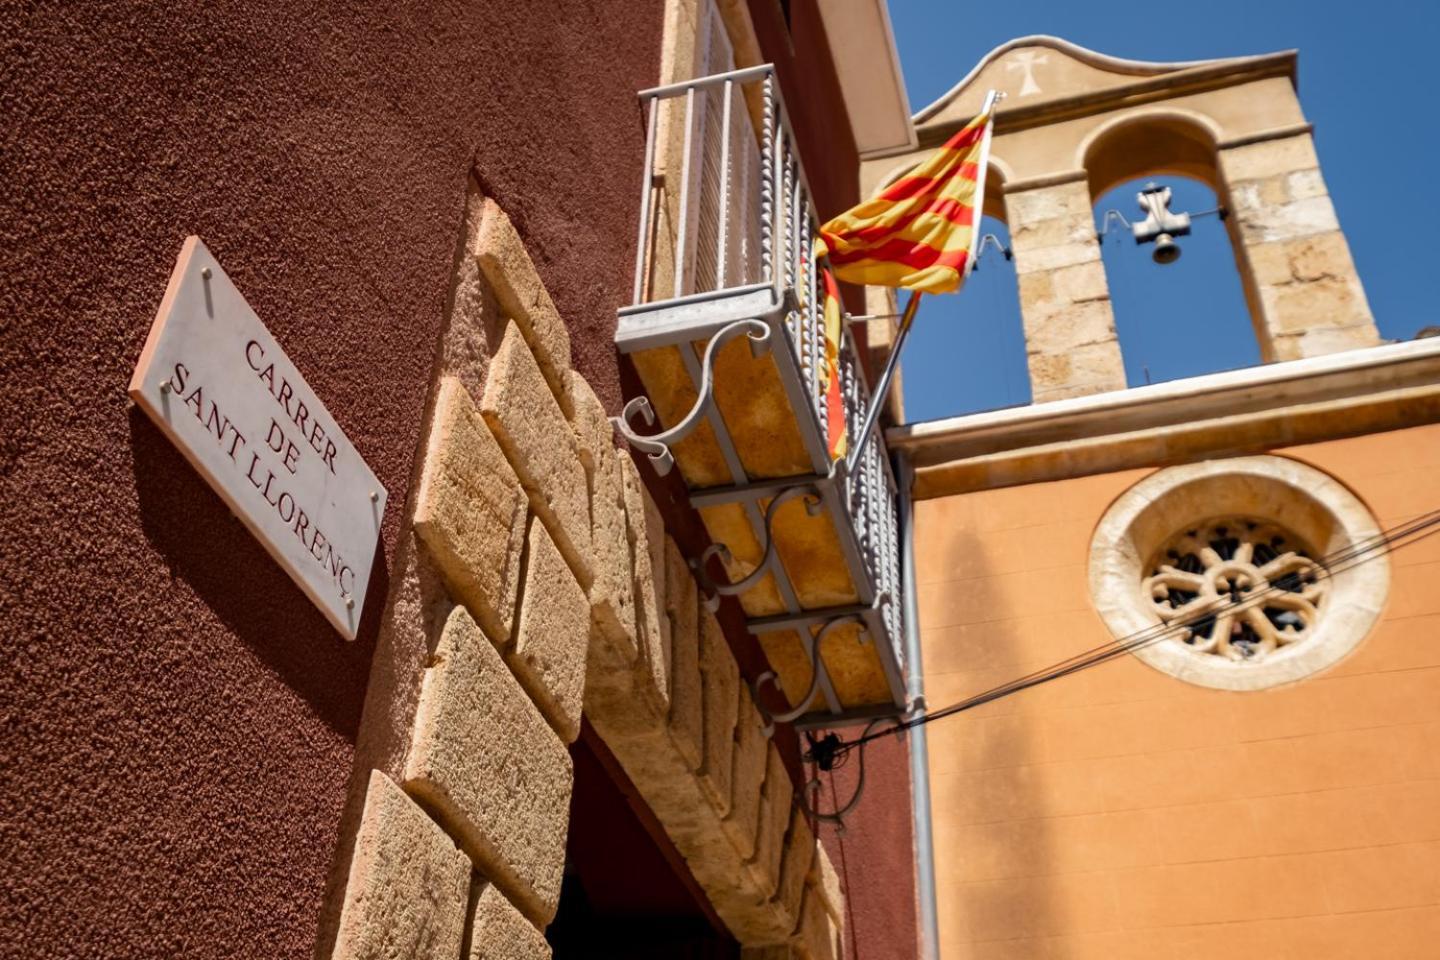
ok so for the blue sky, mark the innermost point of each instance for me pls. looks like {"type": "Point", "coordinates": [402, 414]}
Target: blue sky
{"type": "Point", "coordinates": [1363, 85]}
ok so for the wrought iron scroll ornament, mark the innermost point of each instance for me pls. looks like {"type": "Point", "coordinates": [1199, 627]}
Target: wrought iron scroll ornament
{"type": "Point", "coordinates": [714, 589]}
{"type": "Point", "coordinates": [657, 446]}
{"type": "Point", "coordinates": [813, 643]}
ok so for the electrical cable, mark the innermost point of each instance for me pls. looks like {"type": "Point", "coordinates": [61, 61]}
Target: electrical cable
{"type": "Point", "coordinates": [831, 751]}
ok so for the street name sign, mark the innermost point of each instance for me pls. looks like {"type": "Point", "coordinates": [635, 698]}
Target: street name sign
{"type": "Point", "coordinates": [218, 384]}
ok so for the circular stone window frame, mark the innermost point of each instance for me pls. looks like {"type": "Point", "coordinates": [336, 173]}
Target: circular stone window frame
{"type": "Point", "coordinates": [1314, 505]}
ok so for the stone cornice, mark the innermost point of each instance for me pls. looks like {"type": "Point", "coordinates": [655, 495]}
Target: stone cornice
{"type": "Point", "coordinates": [1196, 79]}
{"type": "Point", "coordinates": [1358, 391]}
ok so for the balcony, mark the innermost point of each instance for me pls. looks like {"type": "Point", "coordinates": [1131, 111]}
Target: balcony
{"type": "Point", "coordinates": [726, 333]}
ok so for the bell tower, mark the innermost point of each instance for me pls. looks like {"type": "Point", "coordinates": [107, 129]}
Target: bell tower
{"type": "Point", "coordinates": [1075, 123]}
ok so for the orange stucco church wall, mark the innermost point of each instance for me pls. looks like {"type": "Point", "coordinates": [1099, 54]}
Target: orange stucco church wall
{"type": "Point", "coordinates": [1120, 813]}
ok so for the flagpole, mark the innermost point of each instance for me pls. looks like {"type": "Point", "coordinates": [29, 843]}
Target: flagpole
{"type": "Point", "coordinates": [877, 400]}
{"type": "Point", "coordinates": [882, 386]}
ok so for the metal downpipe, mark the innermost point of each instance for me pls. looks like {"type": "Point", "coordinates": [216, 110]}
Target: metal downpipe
{"type": "Point", "coordinates": [919, 750]}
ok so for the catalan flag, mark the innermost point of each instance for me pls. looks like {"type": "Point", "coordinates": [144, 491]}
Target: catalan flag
{"type": "Point", "coordinates": [919, 232]}
{"type": "Point", "coordinates": [836, 436]}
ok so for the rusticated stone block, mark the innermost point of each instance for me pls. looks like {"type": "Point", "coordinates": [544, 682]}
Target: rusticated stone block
{"type": "Point", "coordinates": [720, 694]}
{"type": "Point", "coordinates": [552, 636]}
{"type": "Point", "coordinates": [742, 823]}
{"type": "Point", "coordinates": [815, 935]}
{"type": "Point", "coordinates": [489, 768]}
{"type": "Point", "coordinates": [538, 441]}
{"type": "Point", "coordinates": [612, 592]}
{"type": "Point", "coordinates": [505, 263]}
{"type": "Point", "coordinates": [775, 804]}
{"type": "Point", "coordinates": [795, 865]}
{"type": "Point", "coordinates": [643, 525]}
{"type": "Point", "coordinates": [470, 511]}
{"type": "Point", "coordinates": [682, 606]}
{"type": "Point", "coordinates": [499, 932]}
{"type": "Point", "coordinates": [406, 894]}
{"type": "Point", "coordinates": [826, 882]}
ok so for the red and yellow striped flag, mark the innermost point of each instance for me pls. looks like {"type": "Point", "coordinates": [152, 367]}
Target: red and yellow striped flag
{"type": "Point", "coordinates": [836, 436]}
{"type": "Point", "coordinates": [919, 232]}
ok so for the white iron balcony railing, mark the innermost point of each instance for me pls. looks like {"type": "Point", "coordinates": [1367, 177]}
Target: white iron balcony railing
{"type": "Point", "coordinates": [808, 545]}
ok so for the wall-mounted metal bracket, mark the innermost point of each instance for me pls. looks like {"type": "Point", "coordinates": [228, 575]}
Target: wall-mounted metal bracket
{"type": "Point", "coordinates": [714, 589]}
{"type": "Point", "coordinates": [818, 676]}
{"type": "Point", "coordinates": [657, 446]}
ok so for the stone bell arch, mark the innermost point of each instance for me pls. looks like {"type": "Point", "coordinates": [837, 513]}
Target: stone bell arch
{"type": "Point", "coordinates": [1075, 123]}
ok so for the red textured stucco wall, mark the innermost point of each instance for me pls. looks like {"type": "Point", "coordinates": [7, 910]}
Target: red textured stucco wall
{"type": "Point", "coordinates": [178, 720]}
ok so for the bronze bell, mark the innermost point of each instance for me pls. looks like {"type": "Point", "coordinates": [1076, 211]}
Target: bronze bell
{"type": "Point", "coordinates": [1166, 249]}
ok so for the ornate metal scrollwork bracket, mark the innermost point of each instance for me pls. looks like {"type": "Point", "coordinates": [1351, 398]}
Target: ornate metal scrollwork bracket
{"type": "Point", "coordinates": [714, 589]}
{"type": "Point", "coordinates": [657, 445]}
{"type": "Point", "coordinates": [813, 643]}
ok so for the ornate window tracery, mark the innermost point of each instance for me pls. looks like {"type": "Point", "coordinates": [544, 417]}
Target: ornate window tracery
{"type": "Point", "coordinates": [1262, 583]}
{"type": "Point", "coordinates": [1230, 553]}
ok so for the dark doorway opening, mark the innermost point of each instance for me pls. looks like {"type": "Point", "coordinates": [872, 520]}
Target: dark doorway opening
{"type": "Point", "coordinates": [627, 892]}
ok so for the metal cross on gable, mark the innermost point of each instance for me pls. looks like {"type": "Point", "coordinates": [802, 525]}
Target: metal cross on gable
{"type": "Point", "coordinates": [1027, 61]}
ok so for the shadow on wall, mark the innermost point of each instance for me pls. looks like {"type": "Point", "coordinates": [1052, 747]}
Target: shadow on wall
{"type": "Point", "coordinates": [993, 845]}
{"type": "Point", "coordinates": [237, 581]}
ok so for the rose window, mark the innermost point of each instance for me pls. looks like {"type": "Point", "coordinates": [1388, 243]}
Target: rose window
{"type": "Point", "coordinates": [1243, 588]}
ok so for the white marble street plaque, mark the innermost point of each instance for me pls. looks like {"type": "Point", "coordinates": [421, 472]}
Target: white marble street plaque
{"type": "Point", "coordinates": [213, 378]}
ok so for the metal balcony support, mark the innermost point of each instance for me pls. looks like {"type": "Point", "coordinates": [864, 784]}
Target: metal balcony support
{"type": "Point", "coordinates": [715, 589]}
{"type": "Point", "coordinates": [818, 677]}
{"type": "Point", "coordinates": [657, 446]}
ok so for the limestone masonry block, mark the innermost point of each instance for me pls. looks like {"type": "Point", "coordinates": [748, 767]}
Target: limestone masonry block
{"type": "Point", "coordinates": [406, 895]}
{"type": "Point", "coordinates": [795, 865]}
{"type": "Point", "coordinates": [775, 804]}
{"type": "Point", "coordinates": [1304, 184]}
{"type": "Point", "coordinates": [1326, 302]}
{"type": "Point", "coordinates": [742, 823]}
{"type": "Point", "coordinates": [1080, 283]}
{"type": "Point", "coordinates": [1077, 325]}
{"type": "Point", "coordinates": [612, 592]}
{"type": "Point", "coordinates": [1320, 341]}
{"type": "Point", "coordinates": [1053, 258]}
{"type": "Point", "coordinates": [470, 511]}
{"type": "Point", "coordinates": [1267, 223]}
{"type": "Point", "coordinates": [485, 763]}
{"type": "Point", "coordinates": [827, 884]}
{"type": "Point", "coordinates": [552, 636]}
{"type": "Point", "coordinates": [686, 702]}
{"type": "Point", "coordinates": [644, 530]}
{"type": "Point", "coordinates": [720, 677]}
{"type": "Point", "coordinates": [540, 445]}
{"type": "Point", "coordinates": [1083, 370]}
{"type": "Point", "coordinates": [1056, 232]}
{"type": "Point", "coordinates": [613, 698]}
{"type": "Point", "coordinates": [1258, 160]}
{"type": "Point", "coordinates": [1323, 255]}
{"type": "Point", "coordinates": [502, 257]}
{"type": "Point", "coordinates": [1060, 201]}
{"type": "Point", "coordinates": [499, 932]}
{"type": "Point", "coordinates": [1270, 263]}
{"type": "Point", "coordinates": [815, 937]}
